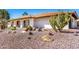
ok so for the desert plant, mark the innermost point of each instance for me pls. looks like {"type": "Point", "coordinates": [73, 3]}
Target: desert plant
{"type": "Point", "coordinates": [12, 28]}
{"type": "Point", "coordinates": [28, 28]}
{"type": "Point", "coordinates": [39, 29]}
{"type": "Point", "coordinates": [30, 33]}
{"type": "Point", "coordinates": [51, 34]}
{"type": "Point", "coordinates": [29, 37]}
{"type": "Point", "coordinates": [59, 21]}
{"type": "Point", "coordinates": [4, 16]}
{"type": "Point", "coordinates": [3, 24]}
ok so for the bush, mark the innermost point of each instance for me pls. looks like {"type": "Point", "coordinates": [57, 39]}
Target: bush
{"type": "Point", "coordinates": [28, 28]}
{"type": "Point", "coordinates": [29, 37]}
{"type": "Point", "coordinates": [34, 29]}
{"type": "Point", "coordinates": [51, 34]}
{"type": "Point", "coordinates": [12, 28]}
{"type": "Point", "coordinates": [39, 29]}
{"type": "Point", "coordinates": [30, 33]}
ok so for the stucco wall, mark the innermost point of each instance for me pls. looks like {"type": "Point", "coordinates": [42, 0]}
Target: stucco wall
{"type": "Point", "coordinates": [9, 24]}
{"type": "Point", "coordinates": [31, 22]}
{"type": "Point", "coordinates": [74, 24]}
{"type": "Point", "coordinates": [66, 27]}
{"type": "Point", "coordinates": [42, 23]}
{"type": "Point", "coordinates": [26, 23]}
{"type": "Point", "coordinates": [22, 24]}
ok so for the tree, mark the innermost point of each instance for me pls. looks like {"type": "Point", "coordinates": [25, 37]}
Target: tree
{"type": "Point", "coordinates": [3, 24]}
{"type": "Point", "coordinates": [25, 13]}
{"type": "Point", "coordinates": [59, 21]}
{"type": "Point", "coordinates": [4, 16]}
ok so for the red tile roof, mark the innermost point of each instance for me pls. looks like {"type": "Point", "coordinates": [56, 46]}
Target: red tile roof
{"type": "Point", "coordinates": [46, 15]}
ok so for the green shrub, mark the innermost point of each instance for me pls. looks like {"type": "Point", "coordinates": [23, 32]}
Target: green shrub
{"type": "Point", "coordinates": [28, 28]}
{"type": "Point", "coordinates": [12, 28]}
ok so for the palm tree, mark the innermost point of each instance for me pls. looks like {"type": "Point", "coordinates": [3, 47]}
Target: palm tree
{"type": "Point", "coordinates": [4, 16]}
{"type": "Point", "coordinates": [59, 21]}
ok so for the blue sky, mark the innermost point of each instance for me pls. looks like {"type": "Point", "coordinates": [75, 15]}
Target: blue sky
{"type": "Point", "coordinates": [15, 13]}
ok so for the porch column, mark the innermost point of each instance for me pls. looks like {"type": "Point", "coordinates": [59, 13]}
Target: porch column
{"type": "Point", "coordinates": [15, 23]}
{"type": "Point", "coordinates": [21, 24]}
{"type": "Point", "coordinates": [9, 24]}
{"type": "Point", "coordinates": [25, 23]}
{"type": "Point", "coordinates": [31, 22]}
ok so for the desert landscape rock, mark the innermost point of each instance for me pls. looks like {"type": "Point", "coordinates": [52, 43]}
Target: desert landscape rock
{"type": "Point", "coordinates": [20, 40]}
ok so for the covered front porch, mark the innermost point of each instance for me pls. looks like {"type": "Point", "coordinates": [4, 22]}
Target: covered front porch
{"type": "Point", "coordinates": [19, 23]}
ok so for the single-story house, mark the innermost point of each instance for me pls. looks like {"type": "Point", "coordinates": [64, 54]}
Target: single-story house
{"type": "Point", "coordinates": [42, 20]}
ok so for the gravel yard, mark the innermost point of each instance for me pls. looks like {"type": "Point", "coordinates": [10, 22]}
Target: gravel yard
{"type": "Point", "coordinates": [20, 40]}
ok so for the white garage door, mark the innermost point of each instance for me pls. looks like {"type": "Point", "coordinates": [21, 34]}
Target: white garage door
{"type": "Point", "coordinates": [42, 23]}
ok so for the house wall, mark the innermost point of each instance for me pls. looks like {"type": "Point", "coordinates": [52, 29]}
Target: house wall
{"type": "Point", "coordinates": [66, 27]}
{"type": "Point", "coordinates": [21, 23]}
{"type": "Point", "coordinates": [9, 24]}
{"type": "Point", "coordinates": [15, 23]}
{"type": "Point", "coordinates": [26, 23]}
{"type": "Point", "coordinates": [74, 24]}
{"type": "Point", "coordinates": [77, 23]}
{"type": "Point", "coordinates": [42, 23]}
{"type": "Point", "coordinates": [31, 22]}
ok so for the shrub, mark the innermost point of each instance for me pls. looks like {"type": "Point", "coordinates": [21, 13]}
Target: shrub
{"type": "Point", "coordinates": [25, 29]}
{"type": "Point", "coordinates": [51, 34]}
{"type": "Point", "coordinates": [29, 37]}
{"type": "Point", "coordinates": [40, 29]}
{"type": "Point", "coordinates": [30, 33]}
{"type": "Point", "coordinates": [12, 28]}
{"type": "Point", "coordinates": [34, 29]}
{"type": "Point", "coordinates": [59, 21]}
{"type": "Point", "coordinates": [28, 28]}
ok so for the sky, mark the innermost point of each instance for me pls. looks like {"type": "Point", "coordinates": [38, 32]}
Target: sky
{"type": "Point", "coordinates": [16, 13]}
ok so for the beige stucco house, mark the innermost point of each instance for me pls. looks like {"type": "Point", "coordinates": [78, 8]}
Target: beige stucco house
{"type": "Point", "coordinates": [42, 20]}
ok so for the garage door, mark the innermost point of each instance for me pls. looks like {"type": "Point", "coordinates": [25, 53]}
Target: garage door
{"type": "Point", "coordinates": [42, 23]}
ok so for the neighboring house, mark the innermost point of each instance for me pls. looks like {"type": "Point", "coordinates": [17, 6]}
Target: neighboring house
{"type": "Point", "coordinates": [42, 20]}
